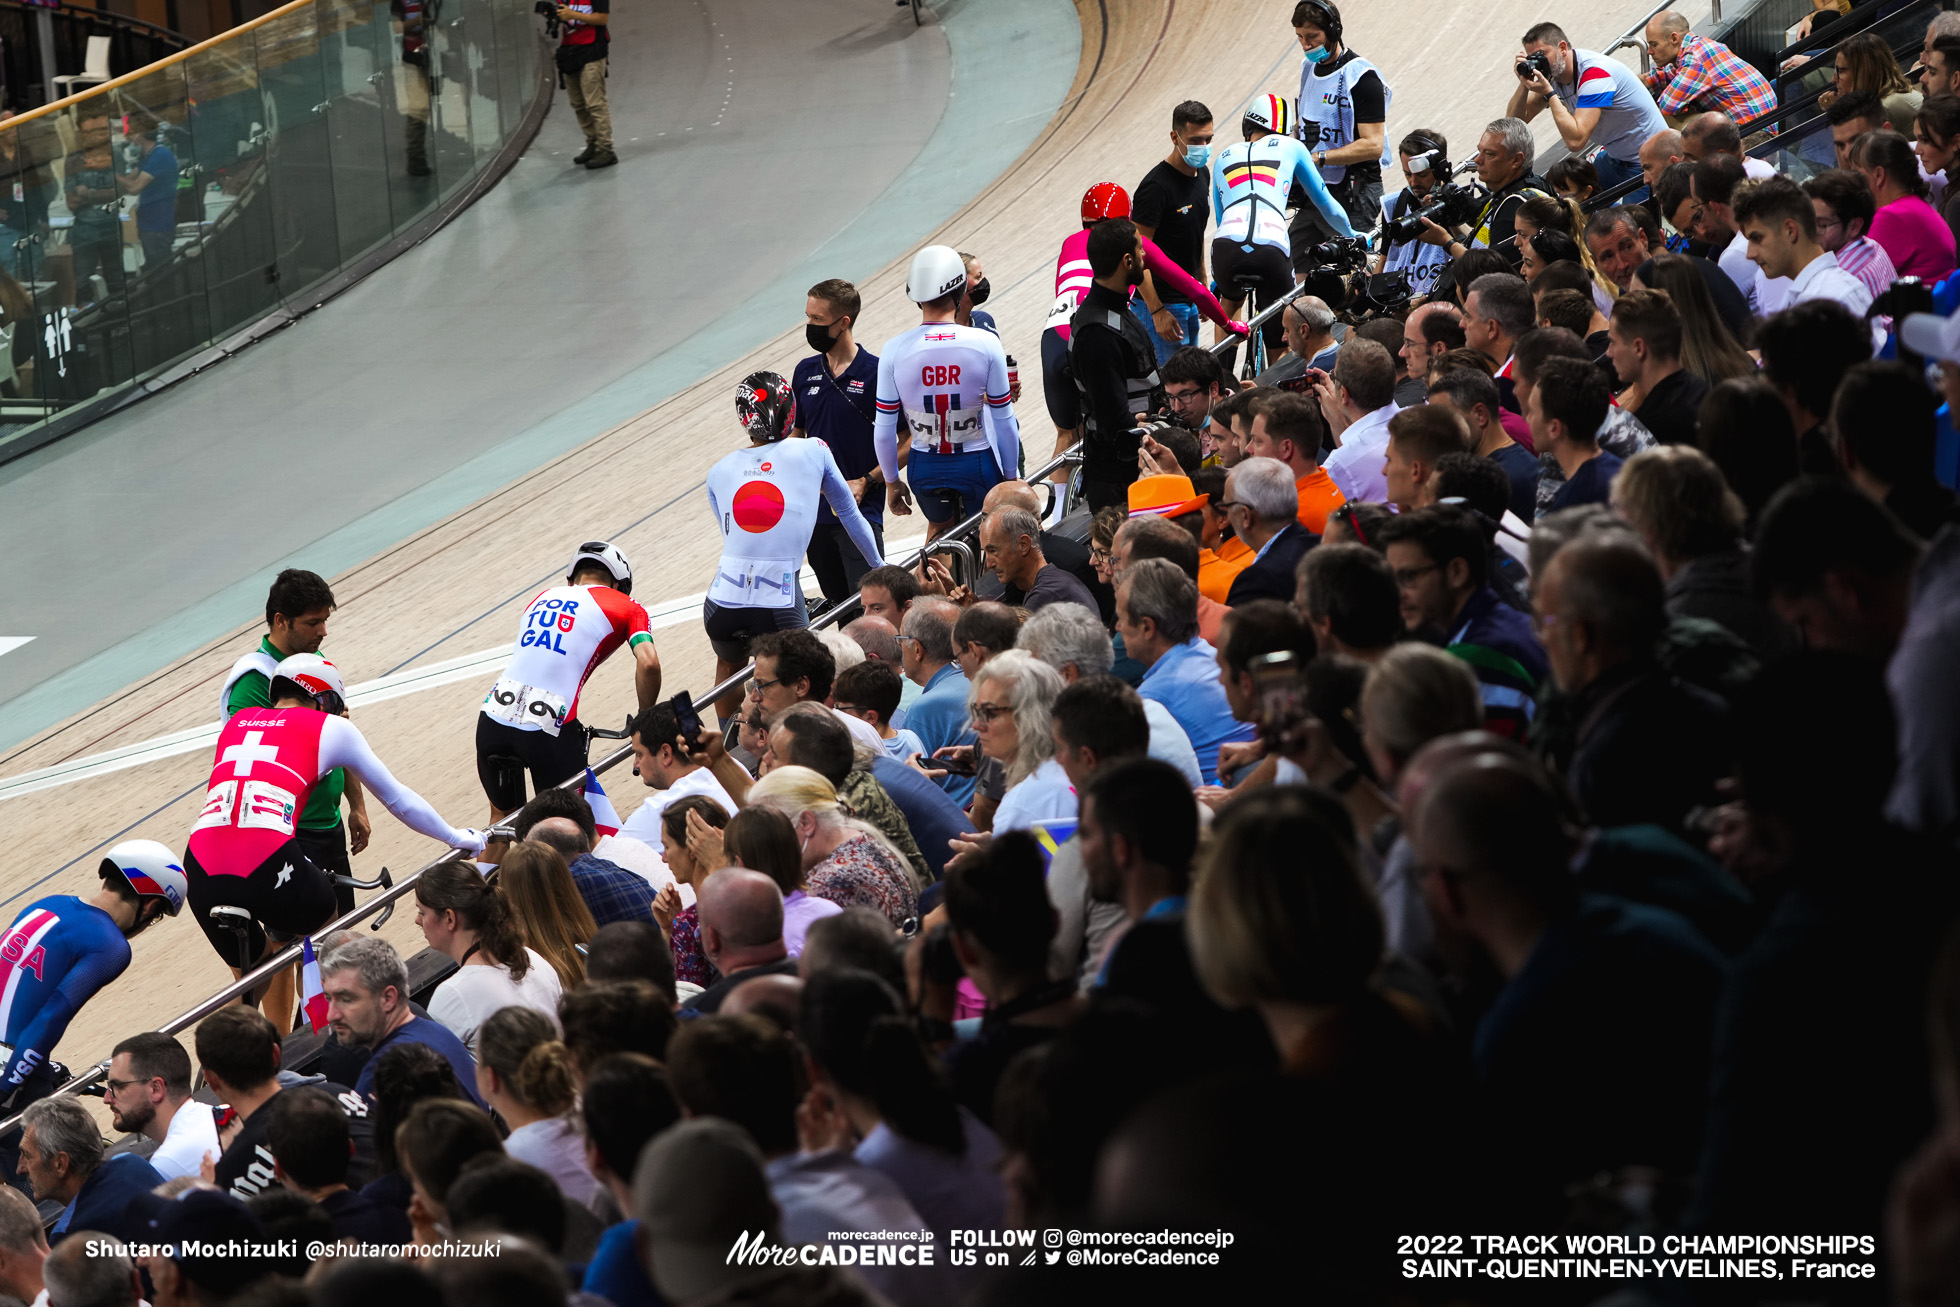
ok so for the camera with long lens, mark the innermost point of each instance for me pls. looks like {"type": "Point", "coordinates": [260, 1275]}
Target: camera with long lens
{"type": "Point", "coordinates": [1536, 62]}
{"type": "Point", "coordinates": [549, 11]}
{"type": "Point", "coordinates": [1341, 280]}
{"type": "Point", "coordinates": [1449, 203]}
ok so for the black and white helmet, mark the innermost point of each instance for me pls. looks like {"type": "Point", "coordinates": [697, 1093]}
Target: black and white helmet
{"type": "Point", "coordinates": [606, 555]}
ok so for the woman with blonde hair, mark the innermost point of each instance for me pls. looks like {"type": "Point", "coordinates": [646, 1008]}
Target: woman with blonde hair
{"type": "Point", "coordinates": [525, 1073]}
{"type": "Point", "coordinates": [844, 860]}
{"type": "Point", "coordinates": [469, 920]}
{"type": "Point", "coordinates": [538, 885]}
{"type": "Point", "coordinates": [1011, 702]}
{"type": "Point", "coordinates": [1864, 63]}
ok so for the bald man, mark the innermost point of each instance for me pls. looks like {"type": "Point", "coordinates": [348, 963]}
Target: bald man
{"type": "Point", "coordinates": [741, 932]}
{"type": "Point", "coordinates": [1715, 132]}
{"type": "Point", "coordinates": [1596, 1051]}
{"type": "Point", "coordinates": [1069, 554]}
{"type": "Point", "coordinates": [1692, 71]}
{"type": "Point", "coordinates": [773, 997]}
{"type": "Point", "coordinates": [1661, 149]}
{"type": "Point", "coordinates": [1308, 325]}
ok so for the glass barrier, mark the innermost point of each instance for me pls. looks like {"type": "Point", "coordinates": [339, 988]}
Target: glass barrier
{"type": "Point", "coordinates": [172, 208]}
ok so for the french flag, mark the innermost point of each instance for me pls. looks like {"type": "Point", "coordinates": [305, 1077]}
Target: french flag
{"type": "Point", "coordinates": [313, 993]}
{"type": "Point", "coordinates": [604, 819]}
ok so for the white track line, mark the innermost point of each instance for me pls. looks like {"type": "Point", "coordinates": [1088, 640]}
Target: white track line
{"type": "Point", "coordinates": [671, 612]}
{"type": "Point", "coordinates": [9, 643]}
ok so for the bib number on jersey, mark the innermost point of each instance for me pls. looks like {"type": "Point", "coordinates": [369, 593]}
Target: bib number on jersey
{"type": "Point", "coordinates": [756, 582]}
{"type": "Point", "coordinates": [217, 805]}
{"type": "Point", "coordinates": [265, 806]}
{"type": "Point", "coordinates": [526, 706]}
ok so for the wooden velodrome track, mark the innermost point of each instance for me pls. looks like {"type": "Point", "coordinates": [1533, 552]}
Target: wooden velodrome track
{"type": "Point", "coordinates": [463, 581]}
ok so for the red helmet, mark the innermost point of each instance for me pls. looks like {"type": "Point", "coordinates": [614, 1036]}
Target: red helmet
{"type": "Point", "coordinates": [1105, 200]}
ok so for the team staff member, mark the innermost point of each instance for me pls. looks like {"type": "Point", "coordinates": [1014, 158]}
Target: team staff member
{"type": "Point", "coordinates": [950, 384]}
{"type": "Point", "coordinates": [1171, 207]}
{"type": "Point", "coordinates": [61, 950]}
{"type": "Point", "coordinates": [837, 402]}
{"type": "Point", "coordinates": [1343, 109]}
{"type": "Point", "coordinates": [242, 850]}
{"type": "Point", "coordinates": [296, 612]}
{"type": "Point", "coordinates": [1504, 157]}
{"type": "Point", "coordinates": [530, 717]}
{"type": "Point", "coordinates": [583, 43]}
{"type": "Point", "coordinates": [1594, 101]}
{"type": "Point", "coordinates": [764, 499]}
{"type": "Point", "coordinates": [1425, 157]}
{"type": "Point", "coordinates": [1249, 191]}
{"type": "Point", "coordinates": [1115, 368]}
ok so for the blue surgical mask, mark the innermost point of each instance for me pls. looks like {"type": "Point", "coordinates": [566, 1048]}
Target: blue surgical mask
{"type": "Point", "coordinates": [1316, 54]}
{"type": "Point", "coordinates": [1197, 156]}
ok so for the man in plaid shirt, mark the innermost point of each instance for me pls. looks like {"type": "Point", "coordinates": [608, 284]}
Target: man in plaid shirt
{"type": "Point", "coordinates": [1690, 68]}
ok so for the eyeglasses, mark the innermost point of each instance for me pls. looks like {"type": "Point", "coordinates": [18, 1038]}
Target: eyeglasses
{"type": "Point", "coordinates": [760, 684]}
{"type": "Point", "coordinates": [1227, 505]}
{"type": "Point", "coordinates": [1097, 554]}
{"type": "Point", "coordinates": [911, 639]}
{"type": "Point", "coordinates": [117, 1086]}
{"type": "Point", "coordinates": [984, 713]}
{"type": "Point", "coordinates": [1182, 396]}
{"type": "Point", "coordinates": [1406, 577]}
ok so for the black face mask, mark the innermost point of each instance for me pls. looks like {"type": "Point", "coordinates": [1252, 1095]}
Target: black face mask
{"type": "Point", "coordinates": [818, 334]}
{"type": "Point", "coordinates": [979, 292]}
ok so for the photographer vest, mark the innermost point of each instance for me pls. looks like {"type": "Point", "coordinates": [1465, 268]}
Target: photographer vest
{"type": "Point", "coordinates": [1421, 261]}
{"type": "Point", "coordinates": [1327, 103]}
{"type": "Point", "coordinates": [1143, 391]}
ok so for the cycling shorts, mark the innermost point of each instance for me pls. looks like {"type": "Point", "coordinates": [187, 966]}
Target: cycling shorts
{"type": "Point", "coordinates": [1057, 383]}
{"type": "Point", "coordinates": [730, 628]}
{"type": "Point", "coordinates": [286, 894]}
{"type": "Point", "coordinates": [1272, 274]}
{"type": "Point", "coordinates": [327, 850]}
{"type": "Point", "coordinates": [946, 484]}
{"type": "Point", "coordinates": [504, 753]}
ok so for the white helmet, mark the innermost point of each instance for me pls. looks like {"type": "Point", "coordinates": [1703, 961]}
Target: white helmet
{"type": "Point", "coordinates": [606, 555]}
{"type": "Point", "coordinates": [151, 869]}
{"type": "Point", "coordinates": [314, 677]}
{"type": "Point", "coordinates": [937, 270]}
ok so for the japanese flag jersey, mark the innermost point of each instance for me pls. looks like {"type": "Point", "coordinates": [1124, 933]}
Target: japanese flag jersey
{"type": "Point", "coordinates": [765, 502]}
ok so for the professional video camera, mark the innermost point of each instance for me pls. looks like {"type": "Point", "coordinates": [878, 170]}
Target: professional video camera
{"type": "Point", "coordinates": [1450, 202]}
{"type": "Point", "coordinates": [550, 13]}
{"type": "Point", "coordinates": [1341, 280]}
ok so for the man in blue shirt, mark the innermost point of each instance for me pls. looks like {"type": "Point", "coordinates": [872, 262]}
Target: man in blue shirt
{"type": "Point", "coordinates": [611, 892]}
{"type": "Point", "coordinates": [154, 183]}
{"type": "Point", "coordinates": [1157, 616]}
{"type": "Point", "coordinates": [61, 1157]}
{"type": "Point", "coordinates": [938, 715]}
{"type": "Point", "coordinates": [836, 392]}
{"type": "Point", "coordinates": [367, 1004]}
{"type": "Point", "coordinates": [1567, 405]}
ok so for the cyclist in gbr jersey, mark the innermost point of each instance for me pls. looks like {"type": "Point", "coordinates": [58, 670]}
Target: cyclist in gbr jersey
{"type": "Point", "coordinates": [62, 949]}
{"type": "Point", "coordinates": [765, 502]}
{"type": "Point", "coordinates": [1249, 187]}
{"type": "Point", "coordinates": [1101, 203]}
{"type": "Point", "coordinates": [949, 384]}
{"type": "Point", "coordinates": [530, 717]}
{"type": "Point", "coordinates": [242, 850]}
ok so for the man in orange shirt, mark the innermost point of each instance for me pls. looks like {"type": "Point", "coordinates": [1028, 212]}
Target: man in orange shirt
{"type": "Point", "coordinates": [1288, 427]}
{"type": "Point", "coordinates": [1176, 500]}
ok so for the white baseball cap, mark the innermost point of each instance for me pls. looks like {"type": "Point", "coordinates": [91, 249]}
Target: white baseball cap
{"type": "Point", "coordinates": [1931, 336]}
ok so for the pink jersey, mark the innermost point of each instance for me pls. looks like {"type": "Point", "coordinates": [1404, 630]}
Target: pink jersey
{"type": "Point", "coordinates": [567, 631]}
{"type": "Point", "coordinates": [268, 762]}
{"type": "Point", "coordinates": [1073, 278]}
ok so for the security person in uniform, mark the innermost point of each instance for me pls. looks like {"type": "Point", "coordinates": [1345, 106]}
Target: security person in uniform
{"type": "Point", "coordinates": [1114, 364]}
{"type": "Point", "coordinates": [1504, 156]}
{"type": "Point", "coordinates": [1425, 159]}
{"type": "Point", "coordinates": [583, 42]}
{"type": "Point", "coordinates": [1343, 109]}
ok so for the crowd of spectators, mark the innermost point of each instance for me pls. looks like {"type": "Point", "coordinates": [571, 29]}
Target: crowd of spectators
{"type": "Point", "coordinates": [1501, 773]}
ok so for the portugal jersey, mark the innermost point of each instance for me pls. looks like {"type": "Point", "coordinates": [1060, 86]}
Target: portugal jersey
{"type": "Point", "coordinates": [564, 635]}
{"type": "Point", "coordinates": [765, 502]}
{"type": "Point", "coordinates": [53, 959]}
{"type": "Point", "coordinates": [950, 384]}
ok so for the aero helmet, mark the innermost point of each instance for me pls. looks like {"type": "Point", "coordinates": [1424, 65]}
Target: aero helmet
{"type": "Point", "coordinates": [606, 555]}
{"type": "Point", "coordinates": [150, 869]}
{"type": "Point", "coordinates": [937, 271]}
{"type": "Point", "coordinates": [312, 677]}
{"type": "Point", "coordinates": [766, 406]}
{"type": "Point", "coordinates": [1269, 112]}
{"type": "Point", "coordinates": [1105, 200]}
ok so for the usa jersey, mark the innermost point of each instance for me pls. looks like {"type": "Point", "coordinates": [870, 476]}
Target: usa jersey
{"type": "Point", "coordinates": [950, 382]}
{"type": "Point", "coordinates": [765, 502]}
{"type": "Point", "coordinates": [1250, 184]}
{"type": "Point", "coordinates": [53, 959]}
{"type": "Point", "coordinates": [564, 635]}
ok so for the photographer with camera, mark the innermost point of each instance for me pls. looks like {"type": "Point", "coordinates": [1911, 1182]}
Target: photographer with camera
{"type": "Point", "coordinates": [1343, 109]}
{"type": "Point", "coordinates": [1504, 157]}
{"type": "Point", "coordinates": [583, 42]}
{"type": "Point", "coordinates": [1594, 101]}
{"type": "Point", "coordinates": [1424, 156]}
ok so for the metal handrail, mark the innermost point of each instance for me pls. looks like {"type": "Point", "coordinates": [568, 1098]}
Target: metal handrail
{"type": "Point", "coordinates": [279, 961]}
{"type": "Point", "coordinates": [1258, 320]}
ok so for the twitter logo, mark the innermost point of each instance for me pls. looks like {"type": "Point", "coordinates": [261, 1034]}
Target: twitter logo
{"type": "Point", "coordinates": [1054, 1257]}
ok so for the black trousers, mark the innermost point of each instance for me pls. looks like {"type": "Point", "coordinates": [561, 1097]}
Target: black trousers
{"type": "Point", "coordinates": [836, 560]}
